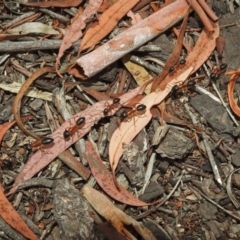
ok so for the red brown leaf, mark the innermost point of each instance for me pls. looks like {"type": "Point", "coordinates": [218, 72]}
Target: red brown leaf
{"type": "Point", "coordinates": [92, 115]}
{"type": "Point", "coordinates": [9, 214]}
{"type": "Point", "coordinates": [232, 101]}
{"type": "Point", "coordinates": [105, 179]}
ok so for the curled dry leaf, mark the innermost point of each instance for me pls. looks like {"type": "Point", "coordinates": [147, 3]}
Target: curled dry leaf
{"type": "Point", "coordinates": [17, 100]}
{"type": "Point", "coordinates": [229, 189]}
{"type": "Point", "coordinates": [114, 215]}
{"type": "Point", "coordinates": [174, 57]}
{"type": "Point", "coordinates": [129, 129]}
{"type": "Point", "coordinates": [3, 129]}
{"type": "Point", "coordinates": [9, 214]}
{"type": "Point", "coordinates": [200, 53]}
{"type": "Point", "coordinates": [106, 181]}
{"type": "Point", "coordinates": [74, 32]}
{"type": "Point", "coordinates": [92, 115]}
{"type": "Point", "coordinates": [232, 102]}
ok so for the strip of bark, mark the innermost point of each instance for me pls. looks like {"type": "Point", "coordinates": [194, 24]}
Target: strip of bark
{"type": "Point", "coordinates": [132, 38]}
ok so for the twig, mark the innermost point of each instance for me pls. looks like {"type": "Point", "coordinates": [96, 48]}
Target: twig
{"type": "Point", "coordinates": [145, 64]}
{"type": "Point", "coordinates": [229, 189]}
{"type": "Point", "coordinates": [55, 15]}
{"type": "Point", "coordinates": [153, 209]}
{"type": "Point", "coordinates": [211, 159]}
{"type": "Point", "coordinates": [205, 20]}
{"type": "Point", "coordinates": [208, 10]}
{"type": "Point", "coordinates": [201, 90]}
{"type": "Point", "coordinates": [18, 19]}
{"type": "Point", "coordinates": [149, 172]}
{"type": "Point", "coordinates": [220, 97]}
{"type": "Point", "coordinates": [27, 46]}
{"type": "Point", "coordinates": [83, 93]}
{"type": "Point", "coordinates": [217, 205]}
{"type": "Point", "coordinates": [207, 148]}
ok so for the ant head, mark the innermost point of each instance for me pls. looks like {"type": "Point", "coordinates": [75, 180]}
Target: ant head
{"type": "Point", "coordinates": [171, 69]}
{"type": "Point", "coordinates": [105, 111]}
{"type": "Point", "coordinates": [47, 140]}
{"type": "Point", "coordinates": [81, 120]}
{"type": "Point", "coordinates": [191, 83]}
{"type": "Point", "coordinates": [213, 76]}
{"type": "Point", "coordinates": [66, 134]}
{"type": "Point", "coordinates": [28, 147]}
{"type": "Point", "coordinates": [7, 164]}
{"type": "Point", "coordinates": [141, 107]}
{"type": "Point", "coordinates": [223, 66]}
{"type": "Point", "coordinates": [116, 100]}
{"type": "Point", "coordinates": [123, 115]}
{"type": "Point", "coordinates": [175, 88]}
{"type": "Point", "coordinates": [182, 61]}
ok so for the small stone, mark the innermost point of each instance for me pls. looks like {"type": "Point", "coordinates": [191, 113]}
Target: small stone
{"type": "Point", "coordinates": [236, 158]}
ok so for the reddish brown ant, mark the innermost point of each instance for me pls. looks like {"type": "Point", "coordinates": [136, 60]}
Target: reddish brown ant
{"type": "Point", "coordinates": [41, 144]}
{"type": "Point", "coordinates": [128, 115]}
{"type": "Point", "coordinates": [176, 88]}
{"type": "Point", "coordinates": [110, 107]}
{"type": "Point", "coordinates": [71, 130]}
{"type": "Point", "coordinates": [216, 71]}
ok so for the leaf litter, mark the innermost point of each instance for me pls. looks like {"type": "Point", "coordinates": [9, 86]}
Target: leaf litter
{"type": "Point", "coordinates": [127, 130]}
{"type": "Point", "coordinates": [92, 115]}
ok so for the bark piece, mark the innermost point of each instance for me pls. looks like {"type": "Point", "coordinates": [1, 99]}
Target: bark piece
{"type": "Point", "coordinates": [132, 38]}
{"type": "Point", "coordinates": [71, 212]}
{"type": "Point", "coordinates": [231, 34]}
{"type": "Point", "coordinates": [153, 191]}
{"type": "Point", "coordinates": [175, 145]}
{"type": "Point", "coordinates": [214, 113]}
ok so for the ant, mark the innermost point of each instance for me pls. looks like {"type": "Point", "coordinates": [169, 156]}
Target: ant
{"type": "Point", "coordinates": [39, 144]}
{"type": "Point", "coordinates": [216, 71]}
{"type": "Point", "coordinates": [172, 68]}
{"type": "Point", "coordinates": [6, 164]}
{"type": "Point", "coordinates": [182, 61]}
{"type": "Point", "coordinates": [190, 85]}
{"type": "Point", "coordinates": [71, 130]}
{"type": "Point", "coordinates": [110, 107]}
{"type": "Point", "coordinates": [140, 109]}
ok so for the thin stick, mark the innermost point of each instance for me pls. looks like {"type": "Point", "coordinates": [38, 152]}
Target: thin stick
{"type": "Point", "coordinates": [205, 20]}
